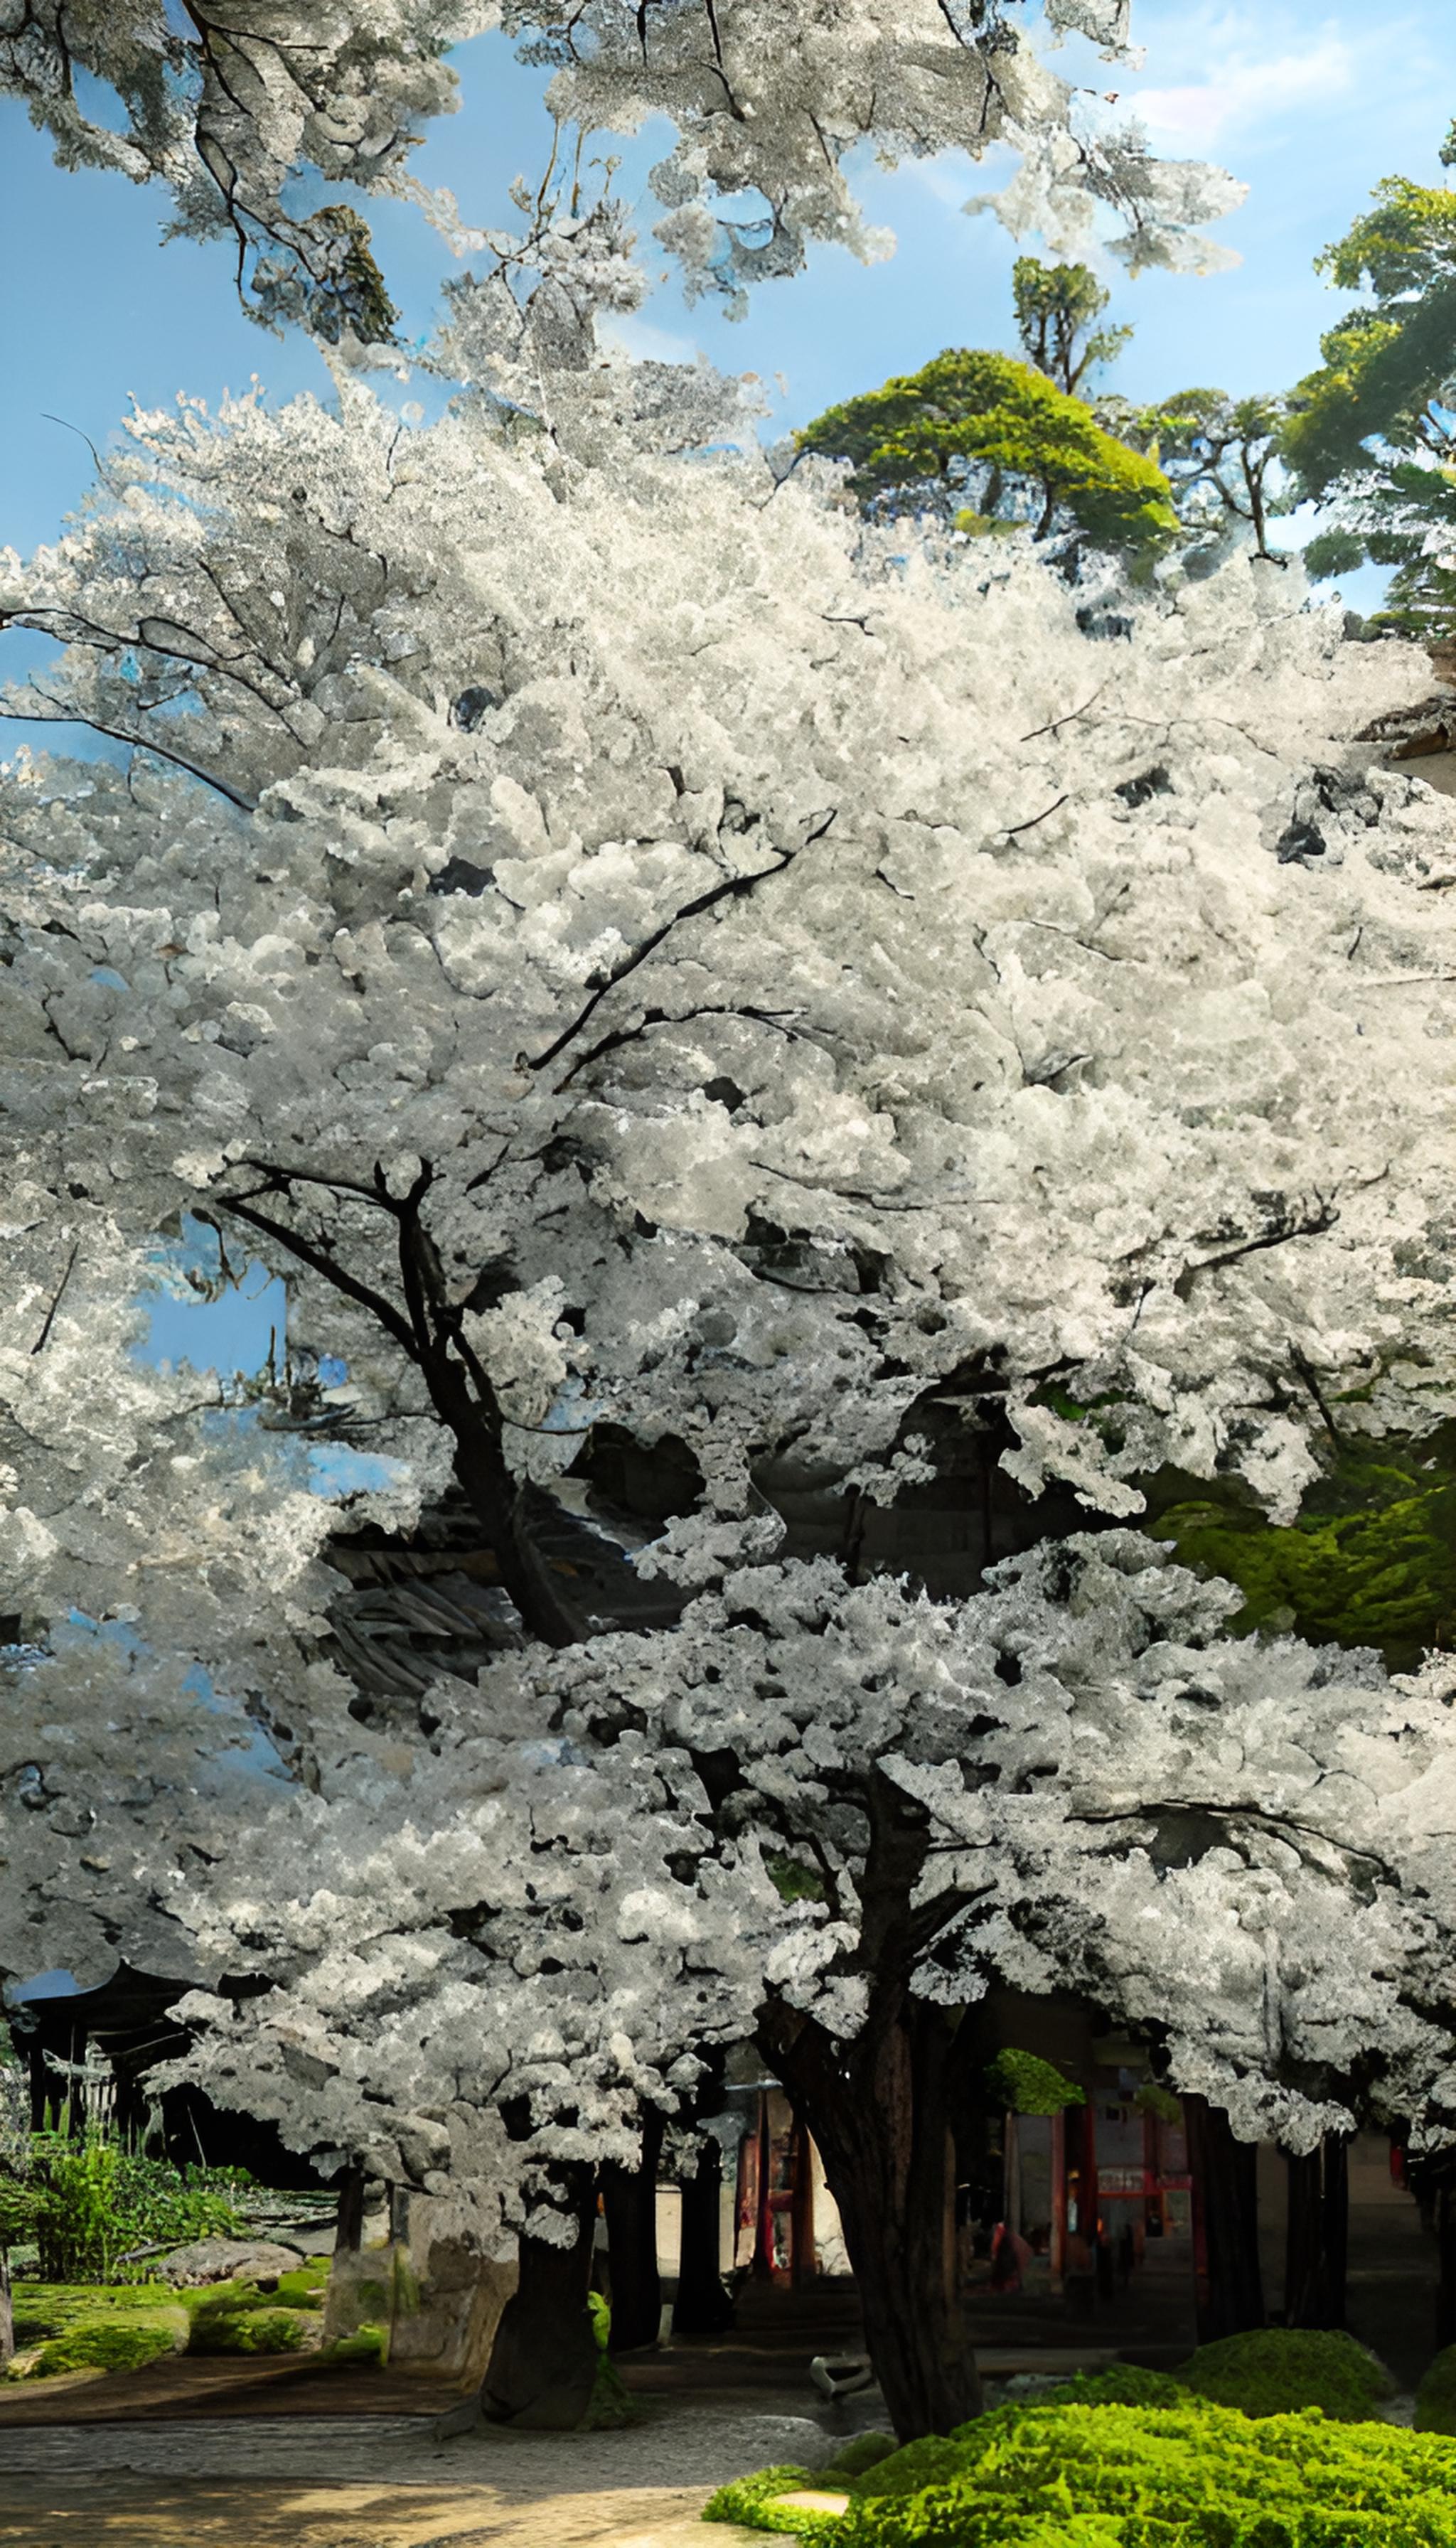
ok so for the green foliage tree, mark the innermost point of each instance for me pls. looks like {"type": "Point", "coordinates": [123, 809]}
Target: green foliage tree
{"type": "Point", "coordinates": [1039, 455]}
{"type": "Point", "coordinates": [1026, 2085]}
{"type": "Point", "coordinates": [1369, 1560]}
{"type": "Point", "coordinates": [1222, 458]}
{"type": "Point", "coordinates": [1374, 429]}
{"type": "Point", "coordinates": [1058, 308]}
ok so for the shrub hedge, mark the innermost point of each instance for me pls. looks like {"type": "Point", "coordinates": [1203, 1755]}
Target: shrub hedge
{"type": "Point", "coordinates": [1277, 2370]}
{"type": "Point", "coordinates": [1137, 2459]}
{"type": "Point", "coordinates": [1435, 2399]}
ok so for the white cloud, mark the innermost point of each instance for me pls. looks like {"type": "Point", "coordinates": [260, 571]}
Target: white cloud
{"type": "Point", "coordinates": [1246, 92]}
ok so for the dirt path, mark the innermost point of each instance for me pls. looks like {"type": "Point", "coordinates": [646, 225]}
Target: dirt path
{"type": "Point", "coordinates": [384, 2481]}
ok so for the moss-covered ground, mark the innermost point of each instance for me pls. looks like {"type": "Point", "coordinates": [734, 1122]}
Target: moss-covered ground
{"type": "Point", "coordinates": [73, 2326]}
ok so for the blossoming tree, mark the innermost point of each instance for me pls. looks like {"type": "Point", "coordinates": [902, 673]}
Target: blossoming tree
{"type": "Point", "coordinates": [660, 962]}
{"type": "Point", "coordinates": [649, 954]}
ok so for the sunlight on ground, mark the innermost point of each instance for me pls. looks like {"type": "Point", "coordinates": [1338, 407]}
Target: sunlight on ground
{"type": "Point", "coordinates": [130, 2512]}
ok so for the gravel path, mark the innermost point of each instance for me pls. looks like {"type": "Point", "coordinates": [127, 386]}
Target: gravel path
{"type": "Point", "coordinates": [384, 2481]}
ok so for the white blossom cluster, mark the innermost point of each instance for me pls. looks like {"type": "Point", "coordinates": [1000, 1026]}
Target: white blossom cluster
{"type": "Point", "coordinates": [232, 102]}
{"type": "Point", "coordinates": [655, 859]}
{"type": "Point", "coordinates": [508, 1934]}
{"type": "Point", "coordinates": [1239, 1849]}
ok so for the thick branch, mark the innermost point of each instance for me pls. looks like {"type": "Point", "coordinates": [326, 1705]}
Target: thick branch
{"type": "Point", "coordinates": [321, 1262]}
{"type": "Point", "coordinates": [139, 743]}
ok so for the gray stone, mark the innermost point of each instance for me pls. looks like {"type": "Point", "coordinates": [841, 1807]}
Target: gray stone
{"type": "Point", "coordinates": [227, 2260]}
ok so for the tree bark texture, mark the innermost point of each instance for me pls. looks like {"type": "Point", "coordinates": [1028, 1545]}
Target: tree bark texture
{"type": "Point", "coordinates": [1317, 2236]}
{"type": "Point", "coordinates": [883, 2109]}
{"type": "Point", "coordinates": [1230, 2295]}
{"type": "Point", "coordinates": [704, 2306]}
{"type": "Point", "coordinates": [1433, 2184]}
{"type": "Point", "coordinates": [629, 2200]}
{"type": "Point", "coordinates": [543, 2363]}
{"type": "Point", "coordinates": [349, 2237]}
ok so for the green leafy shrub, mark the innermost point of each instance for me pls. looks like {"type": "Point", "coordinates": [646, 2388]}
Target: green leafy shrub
{"type": "Point", "coordinates": [1026, 2085]}
{"type": "Point", "coordinates": [1278, 2370]}
{"type": "Point", "coordinates": [1435, 2399]}
{"type": "Point", "coordinates": [88, 2202]}
{"type": "Point", "coordinates": [1195, 2475]}
{"type": "Point", "coordinates": [102, 2348]}
{"type": "Point", "coordinates": [1161, 2102]}
{"type": "Point", "coordinates": [610, 2403]}
{"type": "Point", "coordinates": [1370, 1559]}
{"type": "Point", "coordinates": [932, 2461]}
{"type": "Point", "coordinates": [1123, 2384]}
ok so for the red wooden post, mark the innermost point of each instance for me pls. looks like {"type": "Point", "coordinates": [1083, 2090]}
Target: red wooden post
{"type": "Point", "coordinates": [763, 2264]}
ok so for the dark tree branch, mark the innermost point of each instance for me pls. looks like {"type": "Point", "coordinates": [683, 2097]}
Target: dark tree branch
{"type": "Point", "coordinates": [1311, 1226]}
{"type": "Point", "coordinates": [726, 891]}
{"type": "Point", "coordinates": [321, 1262]}
{"type": "Point", "coordinates": [44, 1339]}
{"type": "Point", "coordinates": [668, 1018]}
{"type": "Point", "coordinates": [1032, 820]}
{"type": "Point", "coordinates": [139, 743]}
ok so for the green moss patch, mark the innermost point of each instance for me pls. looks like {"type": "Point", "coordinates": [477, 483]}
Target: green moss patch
{"type": "Point", "coordinates": [1278, 2370]}
{"type": "Point", "coordinates": [102, 2348]}
{"type": "Point", "coordinates": [88, 2327]}
{"type": "Point", "coordinates": [367, 2344]}
{"type": "Point", "coordinates": [237, 2318]}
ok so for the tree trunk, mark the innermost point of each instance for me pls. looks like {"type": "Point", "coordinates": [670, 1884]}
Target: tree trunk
{"type": "Point", "coordinates": [1231, 2295]}
{"type": "Point", "coordinates": [629, 2200]}
{"type": "Point", "coordinates": [803, 2256]}
{"type": "Point", "coordinates": [1317, 2236]}
{"type": "Point", "coordinates": [881, 2108]}
{"type": "Point", "coordinates": [1433, 2185]}
{"type": "Point", "coordinates": [7, 2313]}
{"type": "Point", "coordinates": [704, 2306]}
{"type": "Point", "coordinates": [1445, 2230]}
{"type": "Point", "coordinates": [543, 2363]}
{"type": "Point", "coordinates": [349, 2237]}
